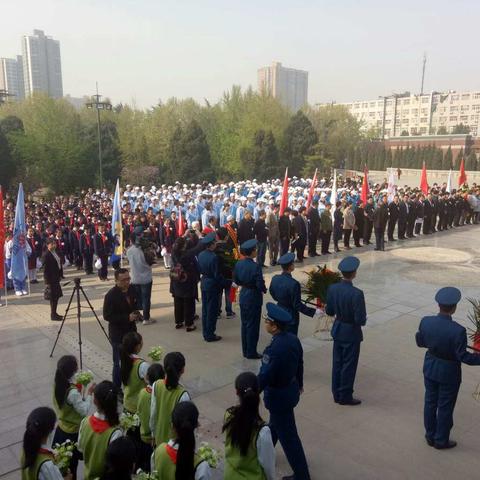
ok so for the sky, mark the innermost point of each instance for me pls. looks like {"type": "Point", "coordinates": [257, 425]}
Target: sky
{"type": "Point", "coordinates": [143, 51]}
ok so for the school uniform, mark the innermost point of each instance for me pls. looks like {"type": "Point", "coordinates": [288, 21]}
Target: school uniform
{"type": "Point", "coordinates": [44, 467]}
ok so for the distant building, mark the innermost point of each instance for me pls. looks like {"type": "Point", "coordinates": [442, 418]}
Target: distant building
{"type": "Point", "coordinates": [42, 65]}
{"type": "Point", "coordinates": [428, 114]}
{"type": "Point", "coordinates": [11, 77]}
{"type": "Point", "coordinates": [289, 85]}
{"type": "Point", "coordinates": [77, 102]}
{"type": "Point", "coordinates": [459, 142]}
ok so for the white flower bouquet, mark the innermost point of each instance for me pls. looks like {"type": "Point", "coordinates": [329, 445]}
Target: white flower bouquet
{"type": "Point", "coordinates": [63, 455]}
{"type": "Point", "coordinates": [156, 353]}
{"type": "Point", "coordinates": [209, 454]}
{"type": "Point", "coordinates": [84, 378]}
{"type": "Point", "coordinates": [141, 475]}
{"type": "Point", "coordinates": [129, 421]}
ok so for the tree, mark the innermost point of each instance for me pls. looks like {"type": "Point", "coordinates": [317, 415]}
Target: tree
{"type": "Point", "coordinates": [10, 126]}
{"type": "Point", "coordinates": [458, 159]}
{"type": "Point", "coordinates": [299, 139]}
{"type": "Point", "coordinates": [404, 133]}
{"type": "Point", "coordinates": [461, 129]}
{"type": "Point", "coordinates": [442, 130]}
{"type": "Point", "coordinates": [447, 162]}
{"type": "Point", "coordinates": [471, 162]}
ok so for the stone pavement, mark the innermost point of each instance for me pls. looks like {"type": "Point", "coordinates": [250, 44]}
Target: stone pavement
{"type": "Point", "coordinates": [382, 438]}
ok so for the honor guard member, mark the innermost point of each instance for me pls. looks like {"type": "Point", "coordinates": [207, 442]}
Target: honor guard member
{"type": "Point", "coordinates": [212, 283]}
{"type": "Point", "coordinates": [286, 291]}
{"type": "Point", "coordinates": [347, 304]}
{"type": "Point", "coordinates": [281, 380]}
{"type": "Point", "coordinates": [446, 343]}
{"type": "Point", "coordinates": [248, 275]}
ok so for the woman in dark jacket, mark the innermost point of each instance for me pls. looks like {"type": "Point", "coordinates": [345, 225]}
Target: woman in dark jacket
{"type": "Point", "coordinates": [52, 273]}
{"type": "Point", "coordinates": [337, 226]}
{"type": "Point", "coordinates": [184, 278]}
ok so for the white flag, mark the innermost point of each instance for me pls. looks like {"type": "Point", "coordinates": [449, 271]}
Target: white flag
{"type": "Point", "coordinates": [449, 181]}
{"type": "Point", "coordinates": [392, 188]}
{"type": "Point", "coordinates": [333, 196]}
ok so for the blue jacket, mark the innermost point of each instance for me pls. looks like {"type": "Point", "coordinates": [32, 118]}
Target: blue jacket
{"type": "Point", "coordinates": [248, 274]}
{"type": "Point", "coordinates": [208, 265]}
{"type": "Point", "coordinates": [446, 341]}
{"type": "Point", "coordinates": [281, 372]}
{"type": "Point", "coordinates": [347, 303]}
{"type": "Point", "coordinates": [286, 291]}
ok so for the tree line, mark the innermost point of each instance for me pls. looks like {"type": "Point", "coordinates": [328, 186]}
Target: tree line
{"type": "Point", "coordinates": [48, 143]}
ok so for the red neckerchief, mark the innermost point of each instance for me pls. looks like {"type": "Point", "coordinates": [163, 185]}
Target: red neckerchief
{"type": "Point", "coordinates": [172, 453]}
{"type": "Point", "coordinates": [148, 388]}
{"type": "Point", "coordinates": [96, 228]}
{"type": "Point", "coordinates": [97, 425]}
{"type": "Point", "coordinates": [78, 386]}
{"type": "Point", "coordinates": [104, 239]}
{"type": "Point", "coordinates": [46, 452]}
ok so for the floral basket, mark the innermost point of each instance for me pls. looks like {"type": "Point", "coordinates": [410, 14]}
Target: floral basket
{"type": "Point", "coordinates": [474, 317]}
{"type": "Point", "coordinates": [318, 281]}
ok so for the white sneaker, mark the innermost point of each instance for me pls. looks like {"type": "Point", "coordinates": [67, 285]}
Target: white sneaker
{"type": "Point", "coordinates": [24, 292]}
{"type": "Point", "coordinates": [18, 294]}
{"type": "Point", "coordinates": [149, 322]}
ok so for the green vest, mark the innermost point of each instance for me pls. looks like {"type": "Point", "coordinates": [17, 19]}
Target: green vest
{"type": "Point", "coordinates": [68, 418]}
{"type": "Point", "coordinates": [143, 412]}
{"type": "Point", "coordinates": [94, 447]}
{"type": "Point", "coordinates": [165, 403]}
{"type": "Point", "coordinates": [237, 466]}
{"type": "Point", "coordinates": [133, 387]}
{"type": "Point", "coordinates": [32, 472]}
{"type": "Point", "coordinates": [165, 466]}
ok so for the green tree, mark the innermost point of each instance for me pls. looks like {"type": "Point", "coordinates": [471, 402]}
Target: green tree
{"type": "Point", "coordinates": [461, 129]}
{"type": "Point", "coordinates": [471, 161]}
{"type": "Point", "coordinates": [299, 139]}
{"type": "Point", "coordinates": [10, 127]}
{"type": "Point", "coordinates": [404, 133]}
{"type": "Point", "coordinates": [442, 130]}
{"type": "Point", "coordinates": [458, 159]}
{"type": "Point", "coordinates": [447, 162]}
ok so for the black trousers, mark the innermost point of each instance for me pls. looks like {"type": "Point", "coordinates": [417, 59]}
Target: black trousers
{"type": "Point", "coordinates": [346, 236]}
{"type": "Point", "coordinates": [88, 262]}
{"type": "Point", "coordinates": [300, 249]}
{"type": "Point", "coordinates": [184, 310]}
{"type": "Point", "coordinates": [380, 238]}
{"type": "Point", "coordinates": [391, 228]}
{"type": "Point", "coordinates": [357, 235]}
{"type": "Point", "coordinates": [312, 242]}
{"type": "Point", "coordinates": [53, 306]}
{"type": "Point", "coordinates": [402, 227]}
{"type": "Point", "coordinates": [284, 246]}
{"type": "Point", "coordinates": [367, 230]}
{"type": "Point", "coordinates": [410, 227]}
{"type": "Point", "coordinates": [325, 241]}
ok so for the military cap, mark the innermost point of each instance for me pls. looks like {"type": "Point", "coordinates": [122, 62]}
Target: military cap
{"type": "Point", "coordinates": [286, 259]}
{"type": "Point", "coordinates": [248, 246]}
{"type": "Point", "coordinates": [208, 239]}
{"type": "Point", "coordinates": [349, 264]}
{"type": "Point", "coordinates": [278, 314]}
{"type": "Point", "coordinates": [448, 296]}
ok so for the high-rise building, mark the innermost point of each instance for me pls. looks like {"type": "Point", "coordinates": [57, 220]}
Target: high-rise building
{"type": "Point", "coordinates": [42, 65]}
{"type": "Point", "coordinates": [11, 77]}
{"type": "Point", "coordinates": [289, 85]}
{"type": "Point", "coordinates": [427, 114]}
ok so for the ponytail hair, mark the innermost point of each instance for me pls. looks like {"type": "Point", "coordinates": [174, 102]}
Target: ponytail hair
{"type": "Point", "coordinates": [185, 421]}
{"type": "Point", "coordinates": [105, 395]}
{"type": "Point", "coordinates": [244, 418]}
{"type": "Point", "coordinates": [66, 368]}
{"type": "Point", "coordinates": [155, 372]}
{"type": "Point", "coordinates": [129, 344]}
{"type": "Point", "coordinates": [40, 424]}
{"type": "Point", "coordinates": [174, 364]}
{"type": "Point", "coordinates": [120, 459]}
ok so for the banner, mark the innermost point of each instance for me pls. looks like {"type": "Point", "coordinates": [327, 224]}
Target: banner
{"type": "Point", "coordinates": [423, 180]}
{"type": "Point", "coordinates": [19, 248]}
{"type": "Point", "coordinates": [449, 181]}
{"type": "Point", "coordinates": [333, 196]}
{"type": "Point", "coordinates": [392, 188]}
{"type": "Point", "coordinates": [117, 231]}
{"type": "Point", "coordinates": [2, 242]}
{"type": "Point", "coordinates": [462, 178]}
{"type": "Point", "coordinates": [312, 190]}
{"type": "Point", "coordinates": [365, 187]}
{"type": "Point", "coordinates": [284, 201]}
{"type": "Point", "coordinates": [181, 224]}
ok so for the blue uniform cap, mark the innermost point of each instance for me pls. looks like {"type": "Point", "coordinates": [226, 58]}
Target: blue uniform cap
{"type": "Point", "coordinates": [448, 296]}
{"type": "Point", "coordinates": [249, 245]}
{"type": "Point", "coordinates": [278, 314]}
{"type": "Point", "coordinates": [208, 239]}
{"type": "Point", "coordinates": [349, 264]}
{"type": "Point", "coordinates": [286, 259]}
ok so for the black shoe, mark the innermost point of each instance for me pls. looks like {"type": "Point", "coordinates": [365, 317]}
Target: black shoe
{"type": "Point", "coordinates": [429, 441]}
{"type": "Point", "coordinates": [257, 356]}
{"type": "Point", "coordinates": [178, 326]}
{"type": "Point", "coordinates": [196, 317]}
{"type": "Point", "coordinates": [56, 318]}
{"type": "Point", "coordinates": [215, 338]}
{"type": "Point", "coordinates": [231, 315]}
{"type": "Point", "coordinates": [34, 281]}
{"type": "Point", "coordinates": [446, 446]}
{"type": "Point", "coordinates": [191, 329]}
{"type": "Point", "coordinates": [352, 402]}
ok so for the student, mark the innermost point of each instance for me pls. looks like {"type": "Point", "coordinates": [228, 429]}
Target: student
{"type": "Point", "coordinates": [155, 372]}
{"type": "Point", "coordinates": [37, 457]}
{"type": "Point", "coordinates": [69, 405]}
{"type": "Point", "coordinates": [97, 431]}
{"type": "Point", "coordinates": [177, 460]}
{"type": "Point", "coordinates": [132, 370]}
{"type": "Point", "coordinates": [165, 395]}
{"type": "Point", "coordinates": [119, 460]}
{"type": "Point", "coordinates": [249, 450]}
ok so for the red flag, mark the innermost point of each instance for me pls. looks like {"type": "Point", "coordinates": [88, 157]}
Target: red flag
{"type": "Point", "coordinates": [364, 195]}
{"type": "Point", "coordinates": [312, 189]}
{"type": "Point", "coordinates": [462, 178]}
{"type": "Point", "coordinates": [423, 180]}
{"type": "Point", "coordinates": [2, 242]}
{"type": "Point", "coordinates": [284, 201]}
{"type": "Point", "coordinates": [181, 225]}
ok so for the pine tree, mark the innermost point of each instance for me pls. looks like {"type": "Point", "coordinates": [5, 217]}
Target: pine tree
{"type": "Point", "coordinates": [447, 162]}
{"type": "Point", "coordinates": [471, 162]}
{"type": "Point", "coordinates": [458, 159]}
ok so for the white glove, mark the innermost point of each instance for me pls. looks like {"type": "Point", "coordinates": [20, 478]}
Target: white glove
{"type": "Point", "coordinates": [234, 285]}
{"type": "Point", "coordinates": [319, 312]}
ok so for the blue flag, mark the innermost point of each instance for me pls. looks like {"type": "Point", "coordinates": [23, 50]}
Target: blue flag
{"type": "Point", "coordinates": [117, 231]}
{"type": "Point", "coordinates": [19, 249]}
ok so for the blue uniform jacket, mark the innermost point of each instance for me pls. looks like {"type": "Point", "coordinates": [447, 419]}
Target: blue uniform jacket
{"type": "Point", "coordinates": [248, 274]}
{"type": "Point", "coordinates": [212, 279]}
{"type": "Point", "coordinates": [281, 372]}
{"type": "Point", "coordinates": [347, 303]}
{"type": "Point", "coordinates": [286, 291]}
{"type": "Point", "coordinates": [446, 341]}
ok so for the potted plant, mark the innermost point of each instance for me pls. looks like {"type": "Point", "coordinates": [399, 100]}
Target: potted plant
{"type": "Point", "coordinates": [474, 317]}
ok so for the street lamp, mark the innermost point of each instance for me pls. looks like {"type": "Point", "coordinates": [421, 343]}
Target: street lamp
{"type": "Point", "coordinates": [98, 105]}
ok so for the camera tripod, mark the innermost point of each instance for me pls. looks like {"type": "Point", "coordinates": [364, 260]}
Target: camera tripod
{"type": "Point", "coordinates": [76, 290]}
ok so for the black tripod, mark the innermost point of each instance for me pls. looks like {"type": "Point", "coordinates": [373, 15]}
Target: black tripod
{"type": "Point", "coordinates": [77, 289]}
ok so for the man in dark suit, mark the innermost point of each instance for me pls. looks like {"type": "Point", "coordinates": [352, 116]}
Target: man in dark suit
{"type": "Point", "coordinates": [285, 229]}
{"type": "Point", "coordinates": [428, 210]}
{"type": "Point", "coordinates": [121, 312]}
{"type": "Point", "coordinates": [245, 227]}
{"type": "Point", "coordinates": [52, 274]}
{"type": "Point", "coordinates": [368, 221]}
{"type": "Point", "coordinates": [403, 208]}
{"type": "Point", "coordinates": [411, 216]}
{"type": "Point", "coordinates": [380, 219]}
{"type": "Point", "coordinates": [300, 224]}
{"type": "Point", "coordinates": [313, 229]}
{"type": "Point", "coordinates": [393, 212]}
{"type": "Point", "coordinates": [446, 343]}
{"type": "Point", "coordinates": [102, 244]}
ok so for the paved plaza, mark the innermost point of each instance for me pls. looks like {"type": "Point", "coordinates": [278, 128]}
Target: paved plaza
{"type": "Point", "coordinates": [381, 439]}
